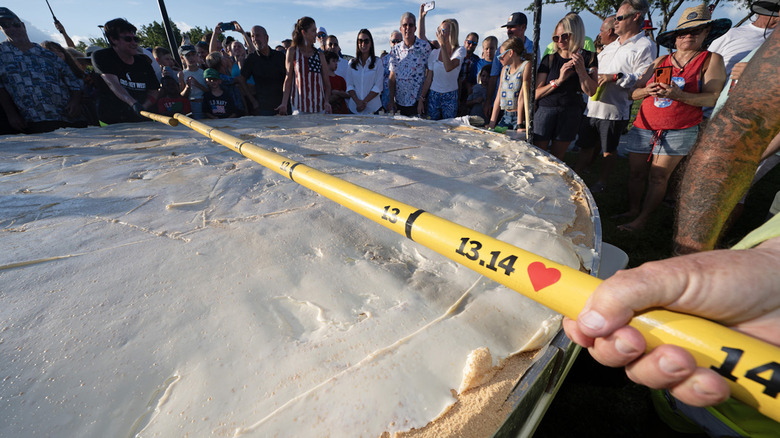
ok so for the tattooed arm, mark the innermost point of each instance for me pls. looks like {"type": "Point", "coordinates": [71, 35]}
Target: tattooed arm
{"type": "Point", "coordinates": [724, 160]}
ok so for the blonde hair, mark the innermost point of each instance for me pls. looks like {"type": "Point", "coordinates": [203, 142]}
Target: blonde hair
{"type": "Point", "coordinates": [453, 32]}
{"type": "Point", "coordinates": [572, 23]}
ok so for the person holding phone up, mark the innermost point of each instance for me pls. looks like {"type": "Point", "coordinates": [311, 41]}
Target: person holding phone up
{"type": "Point", "coordinates": [673, 91]}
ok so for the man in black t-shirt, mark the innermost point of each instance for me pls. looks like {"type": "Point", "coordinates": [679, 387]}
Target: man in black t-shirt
{"type": "Point", "coordinates": [266, 66]}
{"type": "Point", "coordinates": [132, 83]}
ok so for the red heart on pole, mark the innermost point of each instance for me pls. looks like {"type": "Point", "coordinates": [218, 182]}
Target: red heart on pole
{"type": "Point", "coordinates": [542, 276]}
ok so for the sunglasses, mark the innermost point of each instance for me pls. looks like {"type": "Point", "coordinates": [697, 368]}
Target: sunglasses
{"type": "Point", "coordinates": [625, 16]}
{"type": "Point", "coordinates": [692, 32]}
{"type": "Point", "coordinates": [363, 40]}
{"type": "Point", "coordinates": [395, 41]}
{"type": "Point", "coordinates": [321, 35]}
{"type": "Point", "coordinates": [129, 39]}
{"type": "Point", "coordinates": [471, 43]}
{"type": "Point", "coordinates": [562, 37]}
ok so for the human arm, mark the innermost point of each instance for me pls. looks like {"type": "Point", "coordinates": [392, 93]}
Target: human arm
{"type": "Point", "coordinates": [700, 284]}
{"type": "Point", "coordinates": [588, 76]}
{"type": "Point", "coordinates": [446, 50]}
{"type": "Point", "coordinates": [424, 91]}
{"type": "Point", "coordinates": [289, 77]}
{"type": "Point", "coordinates": [215, 45]}
{"type": "Point", "coordinates": [391, 91]}
{"type": "Point", "coordinates": [642, 85]}
{"type": "Point", "coordinates": [244, 89]}
{"type": "Point", "coordinates": [727, 153]}
{"type": "Point", "coordinates": [714, 79]}
{"type": "Point", "coordinates": [421, 25]}
{"type": "Point", "coordinates": [61, 29]}
{"type": "Point", "coordinates": [250, 46]}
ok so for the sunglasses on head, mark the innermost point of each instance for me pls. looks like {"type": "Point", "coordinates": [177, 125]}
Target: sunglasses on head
{"type": "Point", "coordinates": [128, 39]}
{"type": "Point", "coordinates": [624, 16]}
{"type": "Point", "coordinates": [562, 37]}
{"type": "Point", "coordinates": [693, 32]}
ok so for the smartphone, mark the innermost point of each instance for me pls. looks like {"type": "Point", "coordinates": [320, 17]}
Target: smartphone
{"type": "Point", "coordinates": [227, 25]}
{"type": "Point", "coordinates": [663, 75]}
{"type": "Point", "coordinates": [429, 6]}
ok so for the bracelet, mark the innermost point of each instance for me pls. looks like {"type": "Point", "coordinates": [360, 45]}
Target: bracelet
{"type": "Point", "coordinates": [554, 85]}
{"type": "Point", "coordinates": [614, 77]}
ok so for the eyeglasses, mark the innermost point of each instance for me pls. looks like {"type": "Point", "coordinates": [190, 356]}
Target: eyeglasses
{"type": "Point", "coordinates": [504, 53]}
{"type": "Point", "coordinates": [395, 41]}
{"type": "Point", "coordinates": [692, 32]}
{"type": "Point", "coordinates": [11, 24]}
{"type": "Point", "coordinates": [562, 37]}
{"type": "Point", "coordinates": [625, 16]}
{"type": "Point", "coordinates": [363, 40]}
{"type": "Point", "coordinates": [471, 43]}
{"type": "Point", "coordinates": [128, 38]}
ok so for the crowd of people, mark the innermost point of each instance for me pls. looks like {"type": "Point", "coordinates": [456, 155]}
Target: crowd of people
{"type": "Point", "coordinates": [583, 91]}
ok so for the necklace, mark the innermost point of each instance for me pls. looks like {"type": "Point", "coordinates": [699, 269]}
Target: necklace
{"type": "Point", "coordinates": [686, 62]}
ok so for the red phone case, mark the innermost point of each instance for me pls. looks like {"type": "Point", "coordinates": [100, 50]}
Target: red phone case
{"type": "Point", "coordinates": [663, 75]}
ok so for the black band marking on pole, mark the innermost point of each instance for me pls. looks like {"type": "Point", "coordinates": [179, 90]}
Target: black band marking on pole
{"type": "Point", "coordinates": [291, 171]}
{"type": "Point", "coordinates": [410, 222]}
{"type": "Point", "coordinates": [240, 145]}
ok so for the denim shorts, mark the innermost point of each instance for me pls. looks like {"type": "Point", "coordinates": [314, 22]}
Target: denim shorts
{"type": "Point", "coordinates": [557, 123]}
{"type": "Point", "coordinates": [669, 142]}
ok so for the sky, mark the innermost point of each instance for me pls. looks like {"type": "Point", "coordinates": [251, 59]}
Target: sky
{"type": "Point", "coordinates": [342, 18]}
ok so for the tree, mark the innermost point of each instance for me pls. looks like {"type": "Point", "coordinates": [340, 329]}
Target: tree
{"type": "Point", "coordinates": [153, 35]}
{"type": "Point", "coordinates": [82, 46]}
{"type": "Point", "coordinates": [196, 33]}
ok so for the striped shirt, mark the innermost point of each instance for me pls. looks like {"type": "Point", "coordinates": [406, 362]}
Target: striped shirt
{"type": "Point", "coordinates": [308, 93]}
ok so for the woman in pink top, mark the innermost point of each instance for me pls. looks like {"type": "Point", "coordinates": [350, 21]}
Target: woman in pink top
{"type": "Point", "coordinates": [307, 72]}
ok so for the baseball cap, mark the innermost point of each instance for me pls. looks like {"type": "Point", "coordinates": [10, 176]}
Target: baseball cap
{"type": "Point", "coordinates": [183, 50]}
{"type": "Point", "coordinates": [322, 30]}
{"type": "Point", "coordinates": [6, 13]}
{"type": "Point", "coordinates": [210, 73]}
{"type": "Point", "coordinates": [516, 19]}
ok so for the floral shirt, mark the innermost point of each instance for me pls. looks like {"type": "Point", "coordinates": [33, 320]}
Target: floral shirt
{"type": "Point", "coordinates": [39, 82]}
{"type": "Point", "coordinates": [409, 63]}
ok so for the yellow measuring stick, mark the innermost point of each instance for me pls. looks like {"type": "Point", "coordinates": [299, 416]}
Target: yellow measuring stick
{"type": "Point", "coordinates": [750, 366]}
{"type": "Point", "coordinates": [170, 121]}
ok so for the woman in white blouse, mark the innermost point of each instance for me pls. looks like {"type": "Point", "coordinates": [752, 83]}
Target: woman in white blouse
{"type": "Point", "coordinates": [441, 78]}
{"type": "Point", "coordinates": [364, 77]}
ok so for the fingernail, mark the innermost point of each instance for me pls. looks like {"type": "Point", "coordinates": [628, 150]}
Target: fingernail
{"type": "Point", "coordinates": [701, 389]}
{"type": "Point", "coordinates": [670, 366]}
{"type": "Point", "coordinates": [592, 320]}
{"type": "Point", "coordinates": [624, 346]}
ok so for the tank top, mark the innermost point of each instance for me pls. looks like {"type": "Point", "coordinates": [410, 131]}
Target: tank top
{"type": "Point", "coordinates": [511, 84]}
{"type": "Point", "coordinates": [308, 93]}
{"type": "Point", "coordinates": [655, 114]}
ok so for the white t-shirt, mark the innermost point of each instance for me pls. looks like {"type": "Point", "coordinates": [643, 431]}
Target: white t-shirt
{"type": "Point", "coordinates": [737, 43]}
{"type": "Point", "coordinates": [445, 81]}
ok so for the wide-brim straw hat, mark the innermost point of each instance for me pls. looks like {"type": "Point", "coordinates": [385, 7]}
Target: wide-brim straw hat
{"type": "Point", "coordinates": [697, 16]}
